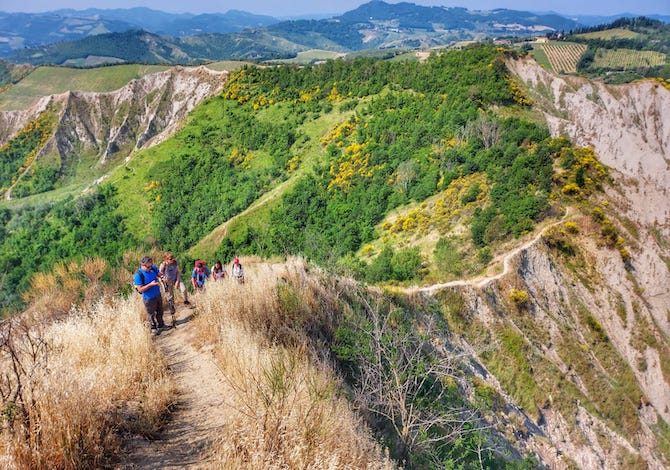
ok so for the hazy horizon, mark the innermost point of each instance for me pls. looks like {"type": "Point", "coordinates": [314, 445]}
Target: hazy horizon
{"type": "Point", "coordinates": [305, 7]}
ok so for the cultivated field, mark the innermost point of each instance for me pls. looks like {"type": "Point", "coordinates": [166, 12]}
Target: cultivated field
{"type": "Point", "coordinates": [622, 59]}
{"type": "Point", "coordinates": [312, 55]}
{"type": "Point", "coordinates": [93, 61]}
{"type": "Point", "coordinates": [229, 65]}
{"type": "Point", "coordinates": [45, 81]}
{"type": "Point", "coordinates": [563, 56]}
{"type": "Point", "coordinates": [614, 33]}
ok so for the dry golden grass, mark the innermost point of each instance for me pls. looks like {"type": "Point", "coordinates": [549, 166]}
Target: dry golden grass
{"type": "Point", "coordinates": [53, 294]}
{"type": "Point", "coordinates": [86, 380]}
{"type": "Point", "coordinates": [285, 411]}
{"type": "Point", "coordinates": [284, 406]}
{"type": "Point", "coordinates": [281, 302]}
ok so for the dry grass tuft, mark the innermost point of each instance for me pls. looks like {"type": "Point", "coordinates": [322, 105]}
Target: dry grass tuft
{"type": "Point", "coordinates": [284, 406]}
{"type": "Point", "coordinates": [285, 412]}
{"type": "Point", "coordinates": [284, 303]}
{"type": "Point", "coordinates": [79, 383]}
{"type": "Point", "coordinates": [53, 294]}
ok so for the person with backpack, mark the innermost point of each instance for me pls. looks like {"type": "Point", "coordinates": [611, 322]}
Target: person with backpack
{"type": "Point", "coordinates": [218, 271]}
{"type": "Point", "coordinates": [147, 283]}
{"type": "Point", "coordinates": [199, 275]}
{"type": "Point", "coordinates": [237, 271]}
{"type": "Point", "coordinates": [171, 275]}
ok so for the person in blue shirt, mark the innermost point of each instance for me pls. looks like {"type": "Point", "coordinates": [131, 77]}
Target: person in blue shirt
{"type": "Point", "coordinates": [147, 283]}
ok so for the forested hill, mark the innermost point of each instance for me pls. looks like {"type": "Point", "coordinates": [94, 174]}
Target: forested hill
{"type": "Point", "coordinates": [353, 140]}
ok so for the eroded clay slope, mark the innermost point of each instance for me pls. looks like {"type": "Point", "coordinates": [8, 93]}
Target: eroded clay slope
{"type": "Point", "coordinates": [627, 125]}
{"type": "Point", "coordinates": [110, 125]}
{"type": "Point", "coordinates": [576, 335]}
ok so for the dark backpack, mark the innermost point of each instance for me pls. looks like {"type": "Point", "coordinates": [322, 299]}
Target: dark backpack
{"type": "Point", "coordinates": [154, 269]}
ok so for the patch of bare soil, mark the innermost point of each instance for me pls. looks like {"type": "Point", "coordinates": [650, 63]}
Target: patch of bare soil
{"type": "Point", "coordinates": [198, 415]}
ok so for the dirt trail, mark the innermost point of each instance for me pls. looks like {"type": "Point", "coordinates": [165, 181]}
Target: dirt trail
{"type": "Point", "coordinates": [199, 415]}
{"type": "Point", "coordinates": [480, 281]}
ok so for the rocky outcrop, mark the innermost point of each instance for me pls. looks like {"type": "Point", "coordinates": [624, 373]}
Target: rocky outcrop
{"type": "Point", "coordinates": [628, 126]}
{"type": "Point", "coordinates": [139, 115]}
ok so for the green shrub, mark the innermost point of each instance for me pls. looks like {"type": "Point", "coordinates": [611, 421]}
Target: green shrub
{"type": "Point", "coordinates": [447, 257]}
{"type": "Point", "coordinates": [406, 264]}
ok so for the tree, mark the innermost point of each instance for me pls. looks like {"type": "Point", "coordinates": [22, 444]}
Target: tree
{"type": "Point", "coordinates": [402, 381]}
{"type": "Point", "coordinates": [405, 175]}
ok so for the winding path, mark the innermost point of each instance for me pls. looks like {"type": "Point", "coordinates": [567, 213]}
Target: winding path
{"type": "Point", "coordinates": [481, 282]}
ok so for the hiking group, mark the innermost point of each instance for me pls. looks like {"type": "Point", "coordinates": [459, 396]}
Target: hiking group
{"type": "Point", "coordinates": [148, 279]}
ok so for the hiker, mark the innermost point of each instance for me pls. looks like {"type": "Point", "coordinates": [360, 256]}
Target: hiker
{"type": "Point", "coordinates": [199, 275]}
{"type": "Point", "coordinates": [218, 271]}
{"type": "Point", "coordinates": [147, 283]}
{"type": "Point", "coordinates": [171, 275]}
{"type": "Point", "coordinates": [237, 271]}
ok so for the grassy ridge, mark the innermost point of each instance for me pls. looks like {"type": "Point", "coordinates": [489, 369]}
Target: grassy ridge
{"type": "Point", "coordinates": [45, 81]}
{"type": "Point", "coordinates": [278, 328]}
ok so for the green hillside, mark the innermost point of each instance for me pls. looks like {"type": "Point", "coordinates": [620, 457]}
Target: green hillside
{"type": "Point", "coordinates": [311, 161]}
{"type": "Point", "coordinates": [45, 81]}
{"type": "Point", "coordinates": [311, 56]}
{"type": "Point", "coordinates": [613, 33]}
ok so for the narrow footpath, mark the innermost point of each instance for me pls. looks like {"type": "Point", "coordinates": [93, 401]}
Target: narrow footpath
{"type": "Point", "coordinates": [198, 416]}
{"type": "Point", "coordinates": [483, 281]}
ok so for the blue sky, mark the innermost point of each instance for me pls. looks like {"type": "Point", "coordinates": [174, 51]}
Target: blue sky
{"type": "Point", "coordinates": [297, 7]}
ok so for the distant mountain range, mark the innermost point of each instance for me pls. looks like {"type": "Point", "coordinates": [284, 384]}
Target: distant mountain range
{"type": "Point", "coordinates": [21, 30]}
{"type": "Point", "coordinates": [94, 36]}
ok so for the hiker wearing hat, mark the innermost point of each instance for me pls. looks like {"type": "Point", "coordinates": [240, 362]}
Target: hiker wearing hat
{"type": "Point", "coordinates": [199, 275]}
{"type": "Point", "coordinates": [237, 271]}
{"type": "Point", "coordinates": [147, 283]}
{"type": "Point", "coordinates": [171, 275]}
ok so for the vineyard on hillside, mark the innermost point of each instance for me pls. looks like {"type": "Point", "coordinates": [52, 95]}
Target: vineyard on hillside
{"type": "Point", "coordinates": [622, 59]}
{"type": "Point", "coordinates": [614, 33]}
{"type": "Point", "coordinates": [563, 57]}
